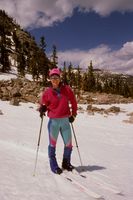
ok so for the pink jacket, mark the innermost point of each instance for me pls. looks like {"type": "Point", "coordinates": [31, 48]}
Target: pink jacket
{"type": "Point", "coordinates": [57, 102]}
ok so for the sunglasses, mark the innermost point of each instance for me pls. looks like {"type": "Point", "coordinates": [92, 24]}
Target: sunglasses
{"type": "Point", "coordinates": [54, 78]}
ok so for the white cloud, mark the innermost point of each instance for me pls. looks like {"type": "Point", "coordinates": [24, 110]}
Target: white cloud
{"type": "Point", "coordinates": [103, 58]}
{"type": "Point", "coordinates": [40, 13]}
{"type": "Point", "coordinates": [104, 7]}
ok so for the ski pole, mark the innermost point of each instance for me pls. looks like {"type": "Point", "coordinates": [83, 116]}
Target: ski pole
{"type": "Point", "coordinates": [38, 144]}
{"type": "Point", "coordinates": [77, 144]}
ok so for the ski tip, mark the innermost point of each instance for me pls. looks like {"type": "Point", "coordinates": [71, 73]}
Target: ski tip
{"type": "Point", "coordinates": [101, 198]}
{"type": "Point", "coordinates": [120, 193]}
{"type": "Point", "coordinates": [83, 176]}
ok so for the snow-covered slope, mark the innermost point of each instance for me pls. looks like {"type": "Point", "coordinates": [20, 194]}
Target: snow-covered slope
{"type": "Point", "coordinates": [105, 144]}
{"type": "Point", "coordinates": [4, 76]}
{"type": "Point", "coordinates": [13, 75]}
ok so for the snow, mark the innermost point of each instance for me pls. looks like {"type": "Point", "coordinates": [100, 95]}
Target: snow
{"type": "Point", "coordinates": [105, 145]}
{"type": "Point", "coordinates": [5, 76]}
{"type": "Point", "coordinates": [13, 75]}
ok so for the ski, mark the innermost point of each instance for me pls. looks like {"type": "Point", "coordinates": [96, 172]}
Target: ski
{"type": "Point", "coordinates": [81, 187]}
{"type": "Point", "coordinates": [74, 171]}
{"type": "Point", "coordinates": [100, 182]}
{"type": "Point", "coordinates": [106, 186]}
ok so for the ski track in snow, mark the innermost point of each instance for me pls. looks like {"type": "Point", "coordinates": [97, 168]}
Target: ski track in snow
{"type": "Point", "coordinates": [18, 181]}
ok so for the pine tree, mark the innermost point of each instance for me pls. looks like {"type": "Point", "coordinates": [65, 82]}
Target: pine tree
{"type": "Point", "coordinates": [70, 80]}
{"type": "Point", "coordinates": [33, 67]}
{"type": "Point", "coordinates": [125, 89]}
{"type": "Point", "coordinates": [4, 59]}
{"type": "Point", "coordinates": [116, 82]}
{"type": "Point", "coordinates": [43, 44]}
{"type": "Point", "coordinates": [43, 62]}
{"type": "Point", "coordinates": [54, 58]}
{"type": "Point", "coordinates": [90, 78]}
{"type": "Point", "coordinates": [21, 64]}
{"type": "Point", "coordinates": [85, 82]}
{"type": "Point", "coordinates": [78, 82]}
{"type": "Point", "coordinates": [106, 86]}
{"type": "Point", "coordinates": [64, 74]}
{"type": "Point", "coordinates": [5, 41]}
{"type": "Point", "coordinates": [98, 84]}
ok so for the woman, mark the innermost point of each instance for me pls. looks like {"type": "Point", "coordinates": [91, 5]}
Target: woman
{"type": "Point", "coordinates": [55, 100]}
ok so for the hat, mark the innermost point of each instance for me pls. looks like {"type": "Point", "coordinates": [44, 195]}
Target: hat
{"type": "Point", "coordinates": [54, 71]}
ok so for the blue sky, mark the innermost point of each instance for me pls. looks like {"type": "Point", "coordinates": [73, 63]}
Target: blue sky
{"type": "Point", "coordinates": [82, 30]}
{"type": "Point", "coordinates": [88, 30]}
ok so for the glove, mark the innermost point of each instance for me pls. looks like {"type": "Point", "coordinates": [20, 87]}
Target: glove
{"type": "Point", "coordinates": [42, 110]}
{"type": "Point", "coordinates": [72, 118]}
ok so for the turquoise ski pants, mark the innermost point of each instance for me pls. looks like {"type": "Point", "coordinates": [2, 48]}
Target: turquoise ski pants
{"type": "Point", "coordinates": [61, 125]}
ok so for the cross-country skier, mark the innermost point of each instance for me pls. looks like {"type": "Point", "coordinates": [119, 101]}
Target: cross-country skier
{"type": "Point", "coordinates": [56, 101]}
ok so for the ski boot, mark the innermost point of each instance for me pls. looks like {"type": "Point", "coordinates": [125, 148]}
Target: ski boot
{"type": "Point", "coordinates": [52, 159]}
{"type": "Point", "coordinates": [66, 165]}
